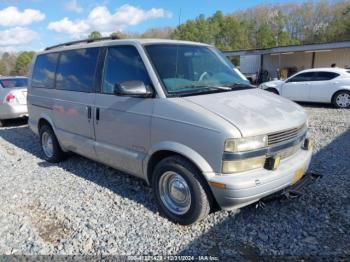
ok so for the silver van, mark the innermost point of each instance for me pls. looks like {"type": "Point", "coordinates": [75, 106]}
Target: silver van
{"type": "Point", "coordinates": [176, 114]}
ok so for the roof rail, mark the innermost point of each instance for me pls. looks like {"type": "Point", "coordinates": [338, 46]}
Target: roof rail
{"type": "Point", "coordinates": [82, 41]}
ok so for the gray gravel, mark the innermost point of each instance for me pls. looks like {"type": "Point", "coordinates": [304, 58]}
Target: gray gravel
{"type": "Point", "coordinates": [82, 207]}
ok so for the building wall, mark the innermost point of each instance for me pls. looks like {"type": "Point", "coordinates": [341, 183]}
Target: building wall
{"type": "Point", "coordinates": [339, 56]}
{"type": "Point", "coordinates": [300, 60]}
{"type": "Point", "coordinates": [303, 60]}
{"type": "Point", "coordinates": [249, 64]}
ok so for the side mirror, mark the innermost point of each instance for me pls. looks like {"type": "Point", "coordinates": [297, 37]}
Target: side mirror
{"type": "Point", "coordinates": [133, 89]}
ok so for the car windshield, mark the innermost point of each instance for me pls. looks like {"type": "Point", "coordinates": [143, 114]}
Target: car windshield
{"type": "Point", "coordinates": [14, 82]}
{"type": "Point", "coordinates": [194, 69]}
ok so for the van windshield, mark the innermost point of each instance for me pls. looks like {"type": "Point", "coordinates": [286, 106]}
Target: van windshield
{"type": "Point", "coordinates": [194, 69]}
{"type": "Point", "coordinates": [14, 82]}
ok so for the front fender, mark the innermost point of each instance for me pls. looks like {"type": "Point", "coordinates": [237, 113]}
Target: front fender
{"type": "Point", "coordinates": [183, 150]}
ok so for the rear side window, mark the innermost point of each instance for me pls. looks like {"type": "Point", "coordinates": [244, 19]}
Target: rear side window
{"type": "Point", "coordinates": [303, 77]}
{"type": "Point", "coordinates": [44, 71]}
{"type": "Point", "coordinates": [76, 70]}
{"type": "Point", "coordinates": [324, 76]}
{"type": "Point", "coordinates": [15, 82]}
{"type": "Point", "coordinates": [123, 63]}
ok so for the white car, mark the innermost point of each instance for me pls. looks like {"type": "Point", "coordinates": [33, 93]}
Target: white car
{"type": "Point", "coordinates": [13, 98]}
{"type": "Point", "coordinates": [323, 85]}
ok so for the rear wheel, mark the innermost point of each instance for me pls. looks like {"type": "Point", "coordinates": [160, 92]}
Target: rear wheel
{"type": "Point", "coordinates": [50, 146]}
{"type": "Point", "coordinates": [180, 191]}
{"type": "Point", "coordinates": [341, 99]}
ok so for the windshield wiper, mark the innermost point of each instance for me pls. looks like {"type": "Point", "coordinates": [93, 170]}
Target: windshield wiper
{"type": "Point", "coordinates": [239, 86]}
{"type": "Point", "coordinates": [207, 90]}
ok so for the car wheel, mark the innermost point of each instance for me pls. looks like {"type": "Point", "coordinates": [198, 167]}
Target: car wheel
{"type": "Point", "coordinates": [341, 99]}
{"type": "Point", "coordinates": [180, 191]}
{"type": "Point", "coordinates": [272, 90]}
{"type": "Point", "coordinates": [50, 146]}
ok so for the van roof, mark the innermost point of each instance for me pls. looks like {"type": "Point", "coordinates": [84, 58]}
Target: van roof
{"type": "Point", "coordinates": [107, 41]}
{"type": "Point", "coordinates": [11, 77]}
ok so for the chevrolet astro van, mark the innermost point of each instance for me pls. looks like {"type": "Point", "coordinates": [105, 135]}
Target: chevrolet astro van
{"type": "Point", "coordinates": [174, 113]}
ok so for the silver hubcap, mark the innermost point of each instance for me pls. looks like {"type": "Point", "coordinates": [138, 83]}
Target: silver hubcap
{"type": "Point", "coordinates": [46, 142]}
{"type": "Point", "coordinates": [343, 100]}
{"type": "Point", "coordinates": [175, 193]}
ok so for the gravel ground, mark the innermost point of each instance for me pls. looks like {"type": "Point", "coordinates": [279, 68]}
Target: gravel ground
{"type": "Point", "coordinates": [82, 207]}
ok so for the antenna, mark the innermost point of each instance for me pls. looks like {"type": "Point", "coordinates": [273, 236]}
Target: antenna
{"type": "Point", "coordinates": [179, 17]}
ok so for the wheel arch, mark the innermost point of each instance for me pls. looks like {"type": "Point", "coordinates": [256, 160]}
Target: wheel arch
{"type": "Point", "coordinates": [45, 118]}
{"type": "Point", "coordinates": [273, 90]}
{"type": "Point", "coordinates": [166, 149]}
{"type": "Point", "coordinates": [347, 89]}
{"type": "Point", "coordinates": [344, 88]}
{"type": "Point", "coordinates": [157, 156]}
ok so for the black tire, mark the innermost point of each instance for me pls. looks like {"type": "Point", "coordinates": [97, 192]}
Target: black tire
{"type": "Point", "coordinates": [336, 95]}
{"type": "Point", "coordinates": [200, 204]}
{"type": "Point", "coordinates": [57, 154]}
{"type": "Point", "coordinates": [272, 90]}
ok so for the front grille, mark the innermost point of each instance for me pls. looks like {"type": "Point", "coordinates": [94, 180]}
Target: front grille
{"type": "Point", "coordinates": [279, 137]}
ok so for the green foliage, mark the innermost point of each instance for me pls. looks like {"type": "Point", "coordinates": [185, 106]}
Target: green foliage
{"type": "Point", "coordinates": [267, 26]}
{"type": "Point", "coordinates": [3, 70]}
{"type": "Point", "coordinates": [22, 63]}
{"type": "Point", "coordinates": [95, 35]}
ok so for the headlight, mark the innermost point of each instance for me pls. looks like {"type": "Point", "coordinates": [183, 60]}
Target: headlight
{"type": "Point", "coordinates": [229, 167]}
{"type": "Point", "coordinates": [245, 143]}
{"type": "Point", "coordinates": [235, 145]}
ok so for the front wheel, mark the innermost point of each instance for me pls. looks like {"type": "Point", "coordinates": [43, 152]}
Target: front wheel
{"type": "Point", "coordinates": [180, 191]}
{"type": "Point", "coordinates": [341, 99]}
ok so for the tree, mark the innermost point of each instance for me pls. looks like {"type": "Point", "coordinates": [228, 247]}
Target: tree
{"type": "Point", "coordinates": [119, 35]}
{"type": "Point", "coordinates": [3, 70]}
{"type": "Point", "coordinates": [22, 62]}
{"type": "Point", "coordinates": [95, 35]}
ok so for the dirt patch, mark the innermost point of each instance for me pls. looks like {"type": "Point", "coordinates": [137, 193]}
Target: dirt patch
{"type": "Point", "coordinates": [51, 227]}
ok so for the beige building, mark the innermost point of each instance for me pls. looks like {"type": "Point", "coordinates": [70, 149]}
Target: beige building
{"type": "Point", "coordinates": [286, 60]}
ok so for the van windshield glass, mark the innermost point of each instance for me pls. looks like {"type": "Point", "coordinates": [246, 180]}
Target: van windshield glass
{"type": "Point", "coordinates": [14, 82]}
{"type": "Point", "coordinates": [193, 69]}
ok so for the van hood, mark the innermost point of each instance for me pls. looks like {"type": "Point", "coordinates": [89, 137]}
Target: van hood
{"type": "Point", "coordinates": [253, 111]}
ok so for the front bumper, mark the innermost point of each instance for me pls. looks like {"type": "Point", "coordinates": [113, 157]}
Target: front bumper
{"type": "Point", "coordinates": [242, 189]}
{"type": "Point", "coordinates": [10, 111]}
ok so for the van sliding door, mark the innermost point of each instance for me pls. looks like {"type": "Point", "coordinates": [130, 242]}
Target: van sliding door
{"type": "Point", "coordinates": [74, 100]}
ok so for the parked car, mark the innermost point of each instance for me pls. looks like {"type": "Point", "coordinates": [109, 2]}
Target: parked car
{"type": "Point", "coordinates": [173, 113]}
{"type": "Point", "coordinates": [13, 98]}
{"type": "Point", "coordinates": [323, 85]}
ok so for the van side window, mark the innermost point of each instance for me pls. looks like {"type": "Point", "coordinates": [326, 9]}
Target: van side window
{"type": "Point", "coordinates": [76, 70]}
{"type": "Point", "coordinates": [123, 63]}
{"type": "Point", "coordinates": [44, 71]}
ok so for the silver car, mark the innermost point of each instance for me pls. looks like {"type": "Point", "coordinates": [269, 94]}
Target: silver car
{"type": "Point", "coordinates": [13, 98]}
{"type": "Point", "coordinates": [174, 113]}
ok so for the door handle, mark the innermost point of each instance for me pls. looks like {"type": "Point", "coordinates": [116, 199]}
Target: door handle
{"type": "Point", "coordinates": [97, 114]}
{"type": "Point", "coordinates": [88, 109]}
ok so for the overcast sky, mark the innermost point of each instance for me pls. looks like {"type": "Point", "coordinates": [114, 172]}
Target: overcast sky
{"type": "Point", "coordinates": [35, 24]}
